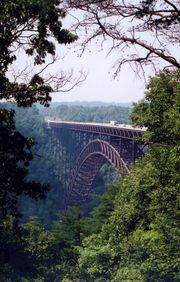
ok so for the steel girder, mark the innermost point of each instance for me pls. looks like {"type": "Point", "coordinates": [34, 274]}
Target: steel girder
{"type": "Point", "coordinates": [101, 142]}
{"type": "Point", "coordinates": [124, 131]}
{"type": "Point", "coordinates": [90, 160]}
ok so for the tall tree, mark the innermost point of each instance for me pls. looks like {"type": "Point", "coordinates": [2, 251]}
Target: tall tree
{"type": "Point", "coordinates": [32, 28]}
{"type": "Point", "coordinates": [139, 240]}
{"type": "Point", "coordinates": [160, 109]}
{"type": "Point", "coordinates": [28, 28]}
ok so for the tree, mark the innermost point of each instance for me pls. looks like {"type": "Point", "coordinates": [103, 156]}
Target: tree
{"type": "Point", "coordinates": [100, 215]}
{"type": "Point", "coordinates": [159, 110]}
{"type": "Point", "coordinates": [138, 242]}
{"type": "Point", "coordinates": [142, 33]}
{"type": "Point", "coordinates": [53, 253]}
{"type": "Point", "coordinates": [28, 28]}
{"type": "Point", "coordinates": [15, 155]}
{"type": "Point", "coordinates": [32, 28]}
{"type": "Point", "coordinates": [24, 25]}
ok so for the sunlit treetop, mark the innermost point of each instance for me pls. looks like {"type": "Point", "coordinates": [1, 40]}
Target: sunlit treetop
{"type": "Point", "coordinates": [159, 111]}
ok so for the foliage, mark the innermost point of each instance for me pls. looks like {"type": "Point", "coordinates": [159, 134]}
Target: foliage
{"type": "Point", "coordinates": [30, 27]}
{"type": "Point", "coordinates": [15, 154]}
{"type": "Point", "coordinates": [100, 215]}
{"type": "Point", "coordinates": [140, 238]}
{"type": "Point", "coordinates": [133, 234]}
{"type": "Point", "coordinates": [41, 169]}
{"type": "Point", "coordinates": [89, 114]}
{"type": "Point", "coordinates": [160, 110]}
{"type": "Point", "coordinates": [139, 241]}
{"type": "Point", "coordinates": [52, 254]}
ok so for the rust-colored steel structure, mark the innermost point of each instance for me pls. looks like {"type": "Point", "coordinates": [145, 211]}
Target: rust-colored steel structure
{"type": "Point", "coordinates": [90, 160]}
{"type": "Point", "coordinates": [82, 148]}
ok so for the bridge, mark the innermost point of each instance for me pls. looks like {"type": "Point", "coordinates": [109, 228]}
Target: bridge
{"type": "Point", "coordinates": [81, 149]}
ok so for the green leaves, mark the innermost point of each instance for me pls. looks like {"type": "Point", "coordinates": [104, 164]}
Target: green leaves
{"type": "Point", "coordinates": [140, 236]}
{"type": "Point", "coordinates": [138, 240]}
{"type": "Point", "coordinates": [159, 112]}
{"type": "Point", "coordinates": [15, 155]}
{"type": "Point", "coordinates": [54, 252]}
{"type": "Point", "coordinates": [29, 26]}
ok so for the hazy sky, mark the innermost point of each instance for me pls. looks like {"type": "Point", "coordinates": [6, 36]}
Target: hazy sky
{"type": "Point", "coordinates": [99, 85]}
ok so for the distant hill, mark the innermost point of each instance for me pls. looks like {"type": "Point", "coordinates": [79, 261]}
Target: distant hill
{"type": "Point", "coordinates": [89, 104]}
{"type": "Point", "coordinates": [88, 112]}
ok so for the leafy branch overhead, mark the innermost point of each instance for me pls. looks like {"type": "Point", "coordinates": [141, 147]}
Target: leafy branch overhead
{"type": "Point", "coordinates": [32, 27]}
{"type": "Point", "coordinates": [142, 33]}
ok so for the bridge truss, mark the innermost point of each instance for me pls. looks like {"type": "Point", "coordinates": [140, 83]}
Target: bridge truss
{"type": "Point", "coordinates": [81, 149]}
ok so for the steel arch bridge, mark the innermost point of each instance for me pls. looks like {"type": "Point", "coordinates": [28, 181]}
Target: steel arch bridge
{"type": "Point", "coordinates": [81, 149]}
{"type": "Point", "coordinates": [90, 160]}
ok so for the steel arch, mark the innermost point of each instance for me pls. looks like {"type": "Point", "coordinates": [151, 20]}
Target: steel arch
{"type": "Point", "coordinates": [90, 160]}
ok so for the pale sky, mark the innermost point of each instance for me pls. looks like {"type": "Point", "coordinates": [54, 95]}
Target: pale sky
{"type": "Point", "coordinates": [99, 85]}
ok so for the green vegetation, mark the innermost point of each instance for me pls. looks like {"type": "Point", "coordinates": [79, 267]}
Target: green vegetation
{"type": "Point", "coordinates": [30, 27]}
{"type": "Point", "coordinates": [89, 114]}
{"type": "Point", "coordinates": [139, 241]}
{"type": "Point", "coordinates": [133, 234]}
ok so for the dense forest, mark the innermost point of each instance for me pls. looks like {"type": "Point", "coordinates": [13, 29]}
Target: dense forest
{"type": "Point", "coordinates": [89, 114]}
{"type": "Point", "coordinates": [130, 229]}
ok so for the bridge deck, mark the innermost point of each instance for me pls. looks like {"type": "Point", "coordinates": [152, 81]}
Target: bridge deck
{"type": "Point", "coordinates": [123, 130]}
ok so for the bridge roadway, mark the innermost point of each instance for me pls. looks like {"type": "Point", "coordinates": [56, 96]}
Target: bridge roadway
{"type": "Point", "coordinates": [118, 130]}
